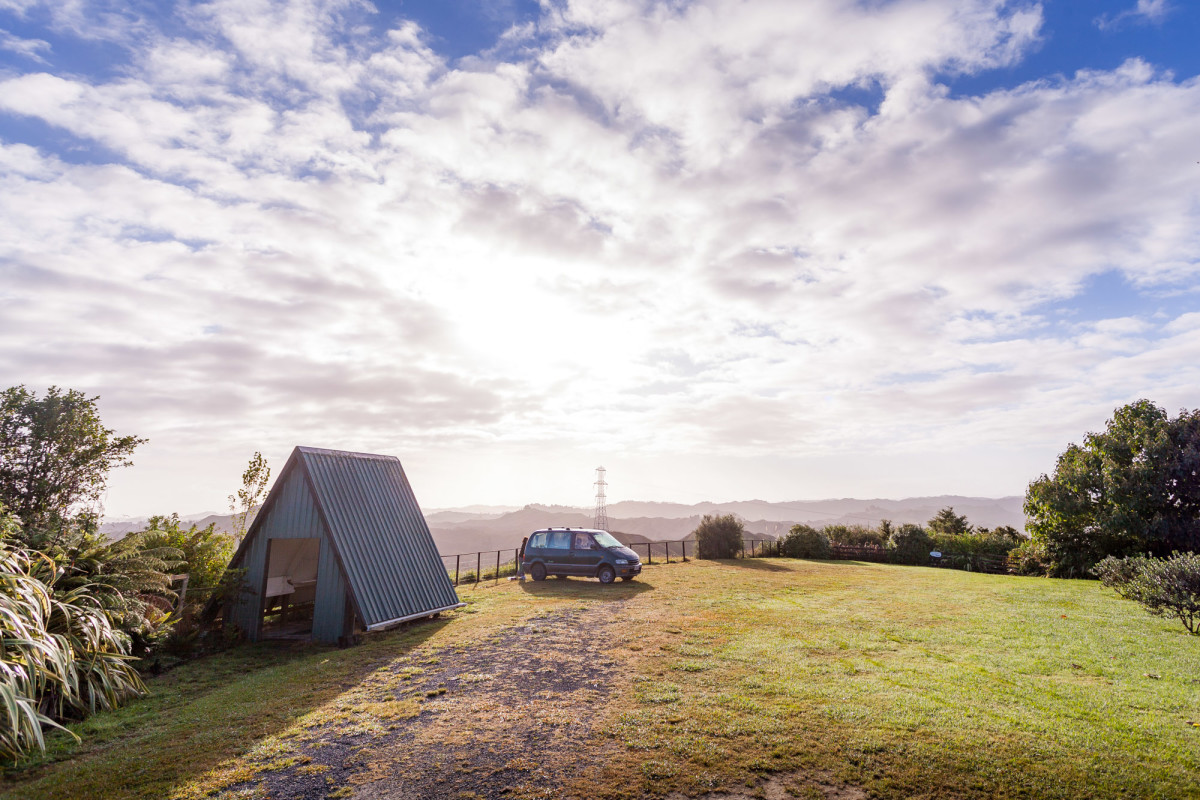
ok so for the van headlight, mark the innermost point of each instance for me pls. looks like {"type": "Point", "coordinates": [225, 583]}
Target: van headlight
{"type": "Point", "coordinates": [620, 560]}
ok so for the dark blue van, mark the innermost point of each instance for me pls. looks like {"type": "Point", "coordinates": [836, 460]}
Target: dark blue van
{"type": "Point", "coordinates": [579, 551]}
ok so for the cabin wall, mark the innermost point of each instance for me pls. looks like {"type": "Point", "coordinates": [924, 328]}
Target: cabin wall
{"type": "Point", "coordinates": [292, 515]}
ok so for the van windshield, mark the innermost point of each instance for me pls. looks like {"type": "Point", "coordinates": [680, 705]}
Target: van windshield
{"type": "Point", "coordinates": [606, 540]}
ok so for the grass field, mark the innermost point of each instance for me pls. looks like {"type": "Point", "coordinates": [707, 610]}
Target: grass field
{"type": "Point", "coordinates": [759, 677]}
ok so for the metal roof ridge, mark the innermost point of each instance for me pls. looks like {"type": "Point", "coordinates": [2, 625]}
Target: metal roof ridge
{"type": "Point", "coordinates": [324, 451]}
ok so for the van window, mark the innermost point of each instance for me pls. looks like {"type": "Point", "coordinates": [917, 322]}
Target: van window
{"type": "Point", "coordinates": [560, 540]}
{"type": "Point", "coordinates": [584, 542]}
{"type": "Point", "coordinates": [537, 540]}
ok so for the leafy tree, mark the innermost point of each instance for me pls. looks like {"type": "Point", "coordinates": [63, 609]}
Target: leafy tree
{"type": "Point", "coordinates": [805, 541]}
{"type": "Point", "coordinates": [55, 456]}
{"type": "Point", "coordinates": [1166, 587]}
{"type": "Point", "coordinates": [910, 543]}
{"type": "Point", "coordinates": [1133, 488]}
{"type": "Point", "coordinates": [254, 489]}
{"type": "Point", "coordinates": [719, 536]}
{"type": "Point", "coordinates": [947, 522]}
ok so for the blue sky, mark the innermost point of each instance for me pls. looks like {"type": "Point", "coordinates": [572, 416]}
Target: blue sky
{"type": "Point", "coordinates": [728, 249]}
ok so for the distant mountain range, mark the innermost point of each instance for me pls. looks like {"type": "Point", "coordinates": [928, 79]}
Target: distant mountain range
{"type": "Point", "coordinates": [471, 529]}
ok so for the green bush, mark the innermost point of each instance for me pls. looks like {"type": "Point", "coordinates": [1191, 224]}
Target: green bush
{"type": "Point", "coordinates": [1030, 558]}
{"type": "Point", "coordinates": [60, 657]}
{"type": "Point", "coordinates": [854, 535]}
{"type": "Point", "coordinates": [719, 536]}
{"type": "Point", "coordinates": [805, 541]}
{"type": "Point", "coordinates": [1166, 587]}
{"type": "Point", "coordinates": [205, 551]}
{"type": "Point", "coordinates": [911, 544]}
{"type": "Point", "coordinates": [971, 550]}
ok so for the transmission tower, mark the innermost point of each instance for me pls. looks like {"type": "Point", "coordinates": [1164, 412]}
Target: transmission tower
{"type": "Point", "coordinates": [601, 501]}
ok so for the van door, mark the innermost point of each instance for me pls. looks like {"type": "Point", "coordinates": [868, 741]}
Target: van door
{"type": "Point", "coordinates": [585, 554]}
{"type": "Point", "coordinates": [558, 552]}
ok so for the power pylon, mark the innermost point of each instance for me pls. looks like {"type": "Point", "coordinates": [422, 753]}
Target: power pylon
{"type": "Point", "coordinates": [601, 501]}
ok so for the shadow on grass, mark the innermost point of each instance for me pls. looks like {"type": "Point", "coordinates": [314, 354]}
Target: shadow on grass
{"type": "Point", "coordinates": [753, 563]}
{"type": "Point", "coordinates": [202, 714]}
{"type": "Point", "coordinates": [585, 588]}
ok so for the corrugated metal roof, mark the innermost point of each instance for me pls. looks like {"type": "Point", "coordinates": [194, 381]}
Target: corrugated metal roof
{"type": "Point", "coordinates": [379, 534]}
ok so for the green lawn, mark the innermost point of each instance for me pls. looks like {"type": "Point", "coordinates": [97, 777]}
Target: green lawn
{"type": "Point", "coordinates": [825, 677]}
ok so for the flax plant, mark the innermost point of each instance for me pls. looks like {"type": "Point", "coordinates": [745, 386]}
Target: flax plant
{"type": "Point", "coordinates": [59, 656]}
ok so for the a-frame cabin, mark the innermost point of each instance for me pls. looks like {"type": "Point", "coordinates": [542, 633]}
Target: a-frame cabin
{"type": "Point", "coordinates": [343, 532]}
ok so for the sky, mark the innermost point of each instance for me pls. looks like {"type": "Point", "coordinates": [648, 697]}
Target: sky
{"type": "Point", "coordinates": [727, 249]}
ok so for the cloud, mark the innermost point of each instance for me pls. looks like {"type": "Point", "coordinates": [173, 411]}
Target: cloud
{"type": "Point", "coordinates": [1146, 12]}
{"type": "Point", "coordinates": [29, 48]}
{"type": "Point", "coordinates": [649, 228]}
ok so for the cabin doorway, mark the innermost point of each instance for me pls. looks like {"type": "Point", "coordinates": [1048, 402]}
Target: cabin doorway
{"type": "Point", "coordinates": [290, 590]}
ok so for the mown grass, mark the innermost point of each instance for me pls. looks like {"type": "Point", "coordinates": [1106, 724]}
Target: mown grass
{"type": "Point", "coordinates": [905, 682]}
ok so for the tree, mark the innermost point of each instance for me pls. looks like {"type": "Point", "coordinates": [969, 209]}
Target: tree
{"type": "Point", "coordinates": [947, 522]}
{"type": "Point", "coordinates": [254, 489]}
{"type": "Point", "coordinates": [55, 456]}
{"type": "Point", "coordinates": [1133, 488]}
{"type": "Point", "coordinates": [719, 536]}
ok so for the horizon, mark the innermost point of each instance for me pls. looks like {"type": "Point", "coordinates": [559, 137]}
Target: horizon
{"type": "Point", "coordinates": [839, 248]}
{"type": "Point", "coordinates": [509, 508]}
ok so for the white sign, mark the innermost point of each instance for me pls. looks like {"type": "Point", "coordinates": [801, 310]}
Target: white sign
{"type": "Point", "coordinates": [935, 553]}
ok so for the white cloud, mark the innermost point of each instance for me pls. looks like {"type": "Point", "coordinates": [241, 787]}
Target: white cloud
{"type": "Point", "coordinates": [29, 48]}
{"type": "Point", "coordinates": [1145, 12]}
{"type": "Point", "coordinates": [661, 233]}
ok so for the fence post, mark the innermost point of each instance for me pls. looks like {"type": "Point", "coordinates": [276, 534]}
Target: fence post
{"type": "Point", "coordinates": [668, 546]}
{"type": "Point", "coordinates": [457, 559]}
{"type": "Point", "coordinates": [684, 543]}
{"type": "Point", "coordinates": [497, 566]}
{"type": "Point", "coordinates": [649, 552]}
{"type": "Point", "coordinates": [478, 566]}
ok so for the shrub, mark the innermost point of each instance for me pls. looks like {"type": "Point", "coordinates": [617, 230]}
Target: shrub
{"type": "Point", "coordinates": [1030, 558]}
{"type": "Point", "coordinates": [60, 656]}
{"type": "Point", "coordinates": [805, 541]}
{"type": "Point", "coordinates": [719, 536]}
{"type": "Point", "coordinates": [205, 551]}
{"type": "Point", "coordinates": [911, 544]}
{"type": "Point", "coordinates": [854, 535]}
{"type": "Point", "coordinates": [971, 550]}
{"type": "Point", "coordinates": [1166, 587]}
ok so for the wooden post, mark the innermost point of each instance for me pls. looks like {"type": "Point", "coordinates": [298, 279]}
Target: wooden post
{"type": "Point", "coordinates": [457, 559]}
{"type": "Point", "coordinates": [478, 566]}
{"type": "Point", "coordinates": [497, 566]}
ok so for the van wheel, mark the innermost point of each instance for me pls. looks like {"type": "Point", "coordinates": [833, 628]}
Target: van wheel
{"type": "Point", "coordinates": [606, 574]}
{"type": "Point", "coordinates": [538, 572]}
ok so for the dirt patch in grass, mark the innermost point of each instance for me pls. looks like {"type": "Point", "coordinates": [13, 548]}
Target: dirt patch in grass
{"type": "Point", "coordinates": [505, 717]}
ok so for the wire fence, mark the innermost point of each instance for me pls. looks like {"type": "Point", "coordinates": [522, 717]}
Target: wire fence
{"type": "Point", "coordinates": [492, 565]}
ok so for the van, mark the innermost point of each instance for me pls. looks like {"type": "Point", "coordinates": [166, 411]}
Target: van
{"type": "Point", "coordinates": [579, 551]}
